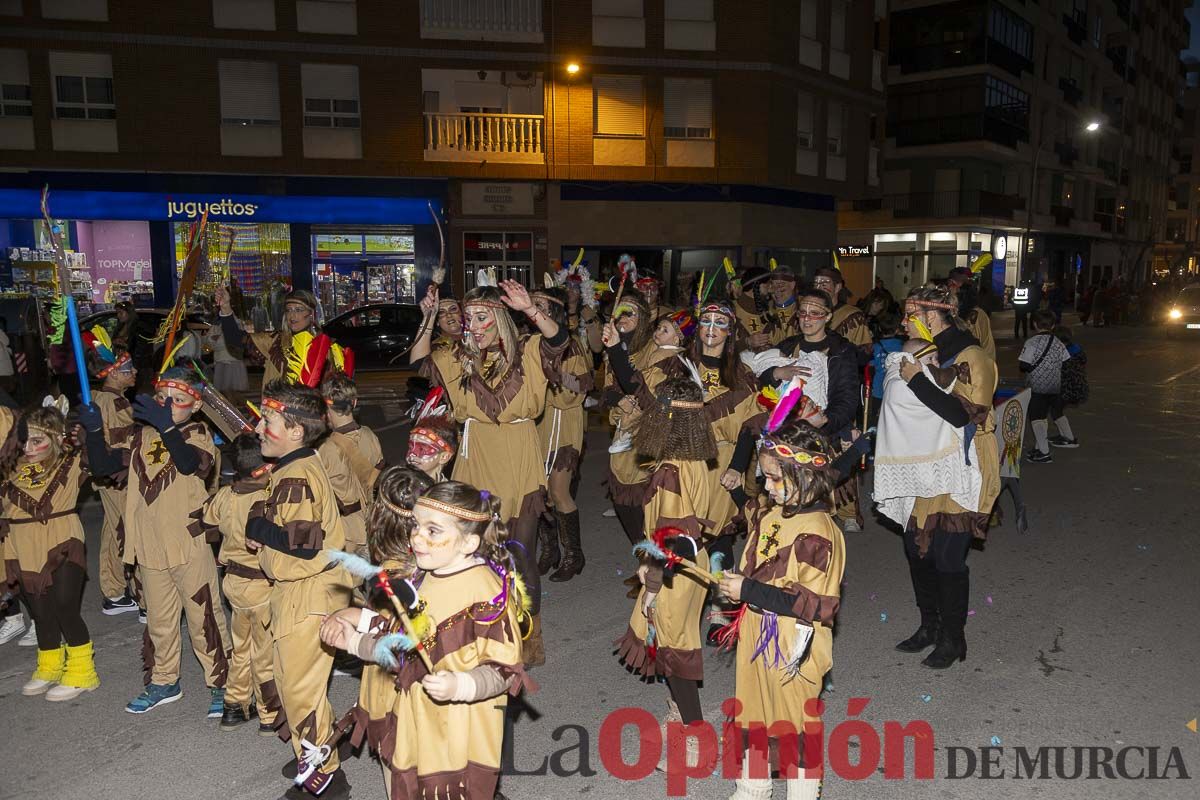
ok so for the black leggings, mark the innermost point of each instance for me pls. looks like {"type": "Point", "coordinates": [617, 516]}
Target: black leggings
{"type": "Point", "coordinates": [523, 531]}
{"type": "Point", "coordinates": [56, 612]}
{"type": "Point", "coordinates": [686, 694]}
{"type": "Point", "coordinates": [632, 519]}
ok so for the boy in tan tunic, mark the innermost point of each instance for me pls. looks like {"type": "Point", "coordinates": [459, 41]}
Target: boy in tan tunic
{"type": "Point", "coordinates": [169, 458]}
{"type": "Point", "coordinates": [297, 520]}
{"type": "Point", "coordinates": [251, 688]}
{"type": "Point", "coordinates": [358, 443]}
{"type": "Point", "coordinates": [115, 586]}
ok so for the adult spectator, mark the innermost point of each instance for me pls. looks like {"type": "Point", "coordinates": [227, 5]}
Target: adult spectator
{"type": "Point", "coordinates": [1041, 360]}
{"type": "Point", "coordinates": [1023, 305]}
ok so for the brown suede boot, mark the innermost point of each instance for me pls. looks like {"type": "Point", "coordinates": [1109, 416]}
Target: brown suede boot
{"type": "Point", "coordinates": [534, 652]}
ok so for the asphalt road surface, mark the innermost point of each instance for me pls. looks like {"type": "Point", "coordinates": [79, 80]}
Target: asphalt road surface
{"type": "Point", "coordinates": [1082, 634]}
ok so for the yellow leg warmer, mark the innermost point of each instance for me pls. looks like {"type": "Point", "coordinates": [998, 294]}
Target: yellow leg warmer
{"type": "Point", "coordinates": [81, 668]}
{"type": "Point", "coordinates": [50, 664]}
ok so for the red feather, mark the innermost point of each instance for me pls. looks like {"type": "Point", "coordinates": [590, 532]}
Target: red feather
{"type": "Point", "coordinates": [662, 536]}
{"type": "Point", "coordinates": [314, 363]}
{"type": "Point", "coordinates": [348, 362]}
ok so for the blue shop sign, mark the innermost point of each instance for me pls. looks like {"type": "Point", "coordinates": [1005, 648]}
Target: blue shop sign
{"type": "Point", "coordinates": [184, 207]}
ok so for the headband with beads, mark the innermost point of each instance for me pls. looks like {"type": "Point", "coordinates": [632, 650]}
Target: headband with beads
{"type": "Point", "coordinates": [281, 407]}
{"type": "Point", "coordinates": [455, 511]}
{"type": "Point", "coordinates": [186, 388]}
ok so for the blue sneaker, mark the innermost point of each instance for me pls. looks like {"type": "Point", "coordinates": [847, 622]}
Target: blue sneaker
{"type": "Point", "coordinates": [155, 694]}
{"type": "Point", "coordinates": [216, 706]}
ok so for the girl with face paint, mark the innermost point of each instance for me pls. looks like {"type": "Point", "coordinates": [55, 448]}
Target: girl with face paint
{"type": "Point", "coordinates": [497, 383]}
{"type": "Point", "coordinates": [299, 314]}
{"type": "Point", "coordinates": [44, 553]}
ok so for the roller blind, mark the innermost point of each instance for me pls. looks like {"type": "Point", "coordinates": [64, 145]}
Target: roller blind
{"type": "Point", "coordinates": [617, 8]}
{"type": "Point", "coordinates": [333, 81]}
{"type": "Point", "coordinates": [84, 65]}
{"type": "Point", "coordinates": [249, 92]}
{"type": "Point", "coordinates": [14, 67]}
{"type": "Point", "coordinates": [620, 105]}
{"type": "Point", "coordinates": [804, 120]}
{"type": "Point", "coordinates": [697, 10]}
{"type": "Point", "coordinates": [687, 107]}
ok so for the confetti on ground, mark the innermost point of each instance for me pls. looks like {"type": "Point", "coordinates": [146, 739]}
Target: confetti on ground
{"type": "Point", "coordinates": [988, 599]}
{"type": "Point", "coordinates": [1143, 547]}
{"type": "Point", "coordinates": [971, 613]}
{"type": "Point", "coordinates": [925, 698]}
{"type": "Point", "coordinates": [620, 572]}
{"type": "Point", "coordinates": [1137, 489]}
{"type": "Point", "coordinates": [883, 616]}
{"type": "Point", "coordinates": [872, 596]}
{"type": "Point", "coordinates": [995, 741]}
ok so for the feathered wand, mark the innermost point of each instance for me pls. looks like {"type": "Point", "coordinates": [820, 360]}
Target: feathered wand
{"type": "Point", "coordinates": [412, 638]}
{"type": "Point", "coordinates": [660, 549]}
{"type": "Point", "coordinates": [187, 281]}
{"type": "Point", "coordinates": [67, 299]}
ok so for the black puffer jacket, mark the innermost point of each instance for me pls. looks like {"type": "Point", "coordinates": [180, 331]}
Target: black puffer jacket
{"type": "Point", "coordinates": [845, 382]}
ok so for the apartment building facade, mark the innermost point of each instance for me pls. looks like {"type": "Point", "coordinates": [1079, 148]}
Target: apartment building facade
{"type": "Point", "coordinates": [321, 136]}
{"type": "Point", "coordinates": [1039, 132]}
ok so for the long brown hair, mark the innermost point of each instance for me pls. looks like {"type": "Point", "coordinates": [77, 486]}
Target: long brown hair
{"type": "Point", "coordinates": [733, 373]}
{"type": "Point", "coordinates": [389, 530]}
{"type": "Point", "coordinates": [944, 294]}
{"type": "Point", "coordinates": [49, 420]}
{"type": "Point", "coordinates": [643, 332]}
{"type": "Point", "coordinates": [676, 428]}
{"type": "Point", "coordinates": [506, 329]}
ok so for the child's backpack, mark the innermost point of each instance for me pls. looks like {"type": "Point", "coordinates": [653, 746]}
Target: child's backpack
{"type": "Point", "coordinates": [1075, 389]}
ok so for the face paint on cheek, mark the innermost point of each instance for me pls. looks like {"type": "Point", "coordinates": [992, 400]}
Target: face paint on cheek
{"type": "Point", "coordinates": [272, 435]}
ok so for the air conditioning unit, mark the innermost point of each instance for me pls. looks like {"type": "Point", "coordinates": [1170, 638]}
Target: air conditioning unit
{"type": "Point", "coordinates": [519, 78]}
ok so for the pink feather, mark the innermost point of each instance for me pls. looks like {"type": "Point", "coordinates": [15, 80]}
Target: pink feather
{"type": "Point", "coordinates": [787, 401]}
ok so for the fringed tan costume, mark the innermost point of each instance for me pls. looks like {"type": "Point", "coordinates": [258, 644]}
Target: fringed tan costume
{"type": "Point", "coordinates": [562, 426]}
{"type": "Point", "coordinates": [118, 426]}
{"type": "Point", "coordinates": [39, 527]}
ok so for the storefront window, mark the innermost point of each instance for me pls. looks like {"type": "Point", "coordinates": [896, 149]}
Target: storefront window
{"type": "Point", "coordinates": [255, 255]}
{"type": "Point", "coordinates": [353, 267]}
{"type": "Point", "coordinates": [109, 260]}
{"type": "Point", "coordinates": [511, 254]}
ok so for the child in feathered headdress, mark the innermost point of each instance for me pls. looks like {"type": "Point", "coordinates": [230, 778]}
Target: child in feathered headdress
{"type": "Point", "coordinates": [113, 366]}
{"type": "Point", "coordinates": [446, 734]}
{"type": "Point", "coordinates": [788, 585]}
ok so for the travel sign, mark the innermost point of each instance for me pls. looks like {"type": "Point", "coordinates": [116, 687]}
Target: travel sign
{"type": "Point", "coordinates": [85, 205]}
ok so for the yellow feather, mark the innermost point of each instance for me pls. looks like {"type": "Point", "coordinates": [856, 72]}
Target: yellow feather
{"type": "Point", "coordinates": [980, 263]}
{"type": "Point", "coordinates": [525, 602]}
{"type": "Point", "coordinates": [774, 264]}
{"type": "Point", "coordinates": [297, 354]}
{"type": "Point", "coordinates": [730, 272]}
{"type": "Point", "coordinates": [169, 361]}
{"type": "Point", "coordinates": [337, 356]}
{"type": "Point", "coordinates": [102, 336]}
{"type": "Point", "coordinates": [578, 259]}
{"type": "Point", "coordinates": [421, 624]}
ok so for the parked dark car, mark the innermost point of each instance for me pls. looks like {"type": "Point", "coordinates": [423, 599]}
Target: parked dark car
{"type": "Point", "coordinates": [376, 333]}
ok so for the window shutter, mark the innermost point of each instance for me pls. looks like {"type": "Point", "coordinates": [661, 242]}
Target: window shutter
{"type": "Point", "coordinates": [616, 8]}
{"type": "Point", "coordinates": [14, 67]}
{"type": "Point", "coordinates": [85, 65]}
{"type": "Point", "coordinates": [808, 19]}
{"type": "Point", "coordinates": [837, 24]}
{"type": "Point", "coordinates": [697, 10]}
{"type": "Point", "coordinates": [329, 81]}
{"type": "Point", "coordinates": [249, 91]}
{"type": "Point", "coordinates": [687, 106]}
{"type": "Point", "coordinates": [834, 124]}
{"type": "Point", "coordinates": [804, 120]}
{"type": "Point", "coordinates": [620, 105]}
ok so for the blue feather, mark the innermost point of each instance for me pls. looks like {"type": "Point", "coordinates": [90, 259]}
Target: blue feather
{"type": "Point", "coordinates": [105, 354]}
{"type": "Point", "coordinates": [717, 562]}
{"type": "Point", "coordinates": [386, 647]}
{"type": "Point", "coordinates": [356, 565]}
{"type": "Point", "coordinates": [650, 549]}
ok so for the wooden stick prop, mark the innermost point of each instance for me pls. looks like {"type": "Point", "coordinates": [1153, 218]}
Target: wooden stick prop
{"type": "Point", "coordinates": [187, 281]}
{"type": "Point", "coordinates": [866, 408]}
{"type": "Point", "coordinates": [359, 567]}
{"type": "Point", "coordinates": [659, 550]}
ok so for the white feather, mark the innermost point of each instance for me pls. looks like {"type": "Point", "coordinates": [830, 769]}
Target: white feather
{"type": "Point", "coordinates": [693, 372]}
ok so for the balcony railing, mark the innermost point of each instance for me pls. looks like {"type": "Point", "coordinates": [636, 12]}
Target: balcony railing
{"type": "Point", "coordinates": [948, 55]}
{"type": "Point", "coordinates": [1002, 126]}
{"type": "Point", "coordinates": [944, 205]}
{"type": "Point", "coordinates": [1110, 223]}
{"type": "Point", "coordinates": [482, 20]}
{"type": "Point", "coordinates": [506, 138]}
{"type": "Point", "coordinates": [1071, 91]}
{"type": "Point", "coordinates": [1076, 27]}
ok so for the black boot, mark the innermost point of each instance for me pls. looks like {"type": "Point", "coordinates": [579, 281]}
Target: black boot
{"type": "Point", "coordinates": [954, 589]}
{"type": "Point", "coordinates": [925, 588]}
{"type": "Point", "coordinates": [235, 716]}
{"type": "Point", "coordinates": [549, 555]}
{"type": "Point", "coordinates": [572, 562]}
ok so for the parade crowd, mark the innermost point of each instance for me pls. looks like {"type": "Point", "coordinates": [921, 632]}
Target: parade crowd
{"type": "Point", "coordinates": [742, 421]}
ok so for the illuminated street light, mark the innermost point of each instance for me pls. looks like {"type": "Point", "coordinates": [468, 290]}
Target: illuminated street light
{"type": "Point", "coordinates": [1093, 126]}
{"type": "Point", "coordinates": [572, 68]}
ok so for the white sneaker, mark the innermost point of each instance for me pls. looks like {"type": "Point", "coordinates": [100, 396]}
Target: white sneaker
{"type": "Point", "coordinates": [609, 512]}
{"type": "Point", "coordinates": [30, 637]}
{"type": "Point", "coordinates": [36, 686]}
{"type": "Point", "coordinates": [12, 627]}
{"type": "Point", "coordinates": [852, 526]}
{"type": "Point", "coordinates": [622, 444]}
{"type": "Point", "coordinates": [61, 694]}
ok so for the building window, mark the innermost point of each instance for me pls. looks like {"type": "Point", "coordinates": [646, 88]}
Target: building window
{"type": "Point", "coordinates": [258, 15]}
{"type": "Point", "coordinates": [835, 127]}
{"type": "Point", "coordinates": [620, 105]}
{"type": "Point", "coordinates": [1012, 31]}
{"type": "Point", "coordinates": [837, 24]}
{"type": "Point", "coordinates": [805, 121]}
{"type": "Point", "coordinates": [94, 10]}
{"type": "Point", "coordinates": [808, 19]}
{"type": "Point", "coordinates": [249, 93]}
{"type": "Point", "coordinates": [327, 16]}
{"type": "Point", "coordinates": [83, 86]}
{"type": "Point", "coordinates": [510, 254]}
{"type": "Point", "coordinates": [16, 99]}
{"type": "Point", "coordinates": [687, 108]}
{"type": "Point", "coordinates": [689, 25]}
{"type": "Point", "coordinates": [618, 23]}
{"type": "Point", "coordinates": [486, 20]}
{"type": "Point", "coordinates": [330, 95]}
{"type": "Point", "coordinates": [1005, 100]}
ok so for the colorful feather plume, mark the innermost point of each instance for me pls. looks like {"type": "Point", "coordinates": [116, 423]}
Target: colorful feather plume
{"type": "Point", "coordinates": [980, 263]}
{"type": "Point", "coordinates": [432, 405]}
{"type": "Point", "coordinates": [306, 358]}
{"type": "Point", "coordinates": [767, 398]}
{"type": "Point", "coordinates": [58, 320]}
{"type": "Point", "coordinates": [169, 358]}
{"type": "Point", "coordinates": [98, 339]}
{"type": "Point", "coordinates": [692, 370]}
{"type": "Point", "coordinates": [356, 565]}
{"type": "Point", "coordinates": [348, 361]}
{"type": "Point", "coordinates": [730, 272]}
{"type": "Point", "coordinates": [727, 635]}
{"type": "Point", "coordinates": [789, 396]}
{"type": "Point", "coordinates": [386, 647]}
